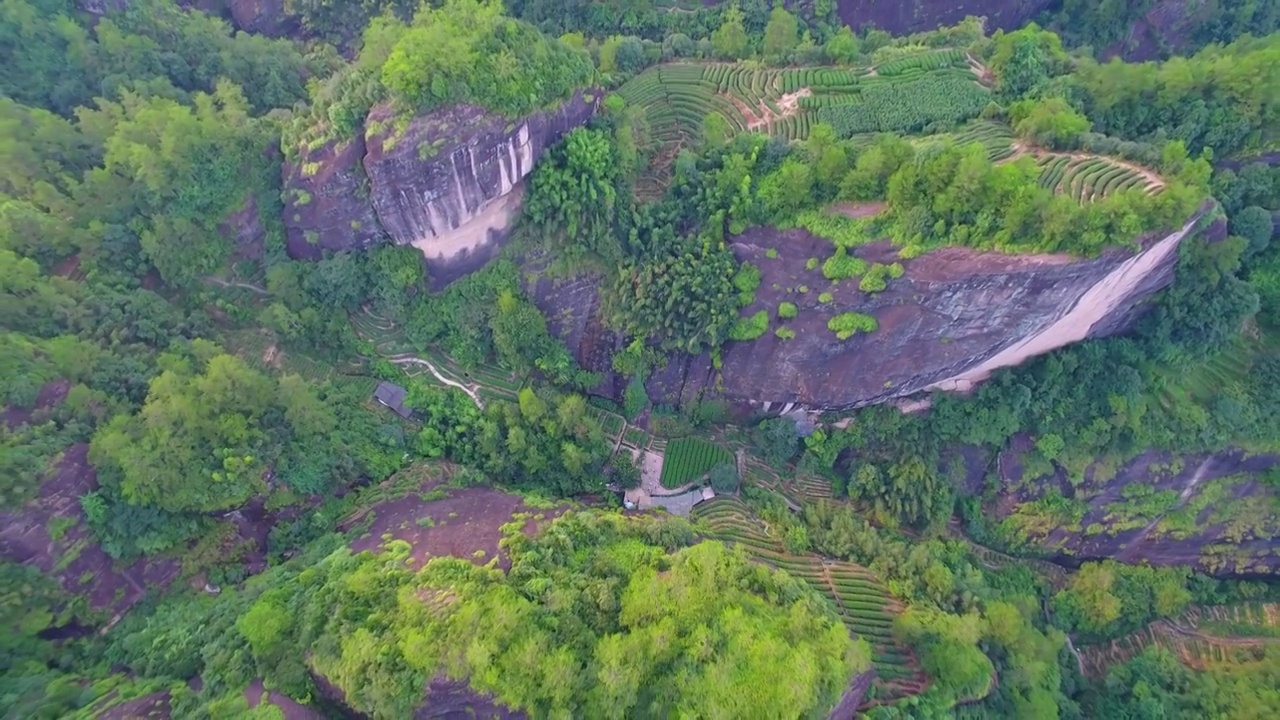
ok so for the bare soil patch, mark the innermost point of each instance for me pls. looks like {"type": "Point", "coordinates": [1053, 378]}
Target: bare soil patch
{"type": "Point", "coordinates": [762, 115]}
{"type": "Point", "coordinates": [466, 524]}
{"type": "Point", "coordinates": [272, 356]}
{"type": "Point", "coordinates": [858, 210]}
{"type": "Point", "coordinates": [454, 700]}
{"type": "Point", "coordinates": [291, 709]}
{"type": "Point", "coordinates": [51, 395]}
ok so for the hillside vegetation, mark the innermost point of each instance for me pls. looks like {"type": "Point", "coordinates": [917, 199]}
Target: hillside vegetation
{"type": "Point", "coordinates": [202, 495]}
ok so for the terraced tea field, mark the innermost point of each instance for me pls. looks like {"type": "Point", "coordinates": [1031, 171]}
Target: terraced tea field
{"type": "Point", "coordinates": [861, 599]}
{"type": "Point", "coordinates": [1199, 637]}
{"type": "Point", "coordinates": [688, 459]}
{"type": "Point", "coordinates": [489, 381]}
{"type": "Point", "coordinates": [906, 94]}
{"type": "Point", "coordinates": [1086, 178]}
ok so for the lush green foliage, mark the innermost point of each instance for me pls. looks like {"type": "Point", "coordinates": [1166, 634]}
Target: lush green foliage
{"type": "Point", "coordinates": [1220, 98]}
{"type": "Point", "coordinates": [1109, 599]}
{"type": "Point", "coordinates": [929, 103]}
{"type": "Point", "coordinates": [466, 51]}
{"type": "Point", "coordinates": [682, 295]}
{"type": "Point", "coordinates": [958, 196]}
{"type": "Point", "coordinates": [1156, 683]}
{"type": "Point", "coordinates": [847, 324]}
{"type": "Point", "coordinates": [688, 459]}
{"type": "Point", "coordinates": [60, 59]}
{"type": "Point", "coordinates": [575, 188]}
{"type": "Point", "coordinates": [594, 618]}
{"type": "Point", "coordinates": [750, 327]}
{"type": "Point", "coordinates": [548, 443]}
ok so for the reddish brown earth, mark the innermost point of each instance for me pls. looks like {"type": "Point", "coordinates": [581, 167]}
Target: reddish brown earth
{"type": "Point", "coordinates": [291, 709]}
{"type": "Point", "coordinates": [50, 396]}
{"type": "Point", "coordinates": [75, 560]}
{"type": "Point", "coordinates": [454, 700]}
{"type": "Point", "coordinates": [462, 525]}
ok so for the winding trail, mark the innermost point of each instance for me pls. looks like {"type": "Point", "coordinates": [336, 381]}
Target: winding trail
{"type": "Point", "coordinates": [1132, 547]}
{"type": "Point", "coordinates": [470, 390]}
{"type": "Point", "coordinates": [233, 283]}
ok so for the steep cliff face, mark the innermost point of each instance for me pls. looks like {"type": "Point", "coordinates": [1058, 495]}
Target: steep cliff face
{"type": "Point", "coordinates": [445, 182]}
{"type": "Point", "coordinates": [439, 184]}
{"type": "Point", "coordinates": [954, 317]}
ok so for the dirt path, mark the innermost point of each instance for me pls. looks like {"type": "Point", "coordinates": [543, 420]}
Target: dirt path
{"type": "Point", "coordinates": [1132, 547]}
{"type": "Point", "coordinates": [470, 390]}
{"type": "Point", "coordinates": [233, 283]}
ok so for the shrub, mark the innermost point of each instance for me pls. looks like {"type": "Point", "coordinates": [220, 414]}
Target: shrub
{"type": "Point", "coordinates": [724, 478]}
{"type": "Point", "coordinates": [875, 280]}
{"type": "Point", "coordinates": [634, 399]}
{"type": "Point", "coordinates": [785, 333]}
{"type": "Point", "coordinates": [846, 325]}
{"type": "Point", "coordinates": [747, 279]}
{"type": "Point", "coordinates": [811, 264]}
{"type": "Point", "coordinates": [825, 297]}
{"type": "Point", "coordinates": [771, 253]}
{"type": "Point", "coordinates": [787, 310]}
{"type": "Point", "coordinates": [776, 440]}
{"type": "Point", "coordinates": [843, 265]}
{"type": "Point", "coordinates": [622, 468]}
{"type": "Point", "coordinates": [750, 328]}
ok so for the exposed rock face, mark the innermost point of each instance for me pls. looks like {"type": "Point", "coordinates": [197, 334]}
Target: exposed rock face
{"type": "Point", "coordinates": [904, 18]}
{"type": "Point", "coordinates": [954, 317]}
{"type": "Point", "coordinates": [1222, 517]}
{"type": "Point", "coordinates": [326, 201]}
{"type": "Point", "coordinates": [25, 537]}
{"type": "Point", "coordinates": [263, 17]}
{"type": "Point", "coordinates": [444, 183]}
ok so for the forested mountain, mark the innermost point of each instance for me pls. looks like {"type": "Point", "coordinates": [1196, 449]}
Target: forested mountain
{"type": "Point", "coordinates": [639, 359]}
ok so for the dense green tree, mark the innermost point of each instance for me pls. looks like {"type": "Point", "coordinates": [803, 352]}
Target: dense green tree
{"type": "Point", "coordinates": [1050, 122]}
{"type": "Point", "coordinates": [1255, 225]}
{"type": "Point", "coordinates": [780, 35]}
{"type": "Point", "coordinates": [730, 40]}
{"type": "Point", "coordinates": [467, 51]}
{"type": "Point", "coordinates": [1026, 59]}
{"type": "Point", "coordinates": [842, 47]}
{"type": "Point", "coordinates": [575, 191]}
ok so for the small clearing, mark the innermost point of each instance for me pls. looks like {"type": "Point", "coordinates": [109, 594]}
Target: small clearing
{"type": "Point", "coordinates": [271, 357]}
{"type": "Point", "coordinates": [762, 116]}
{"type": "Point", "coordinates": [982, 72]}
{"type": "Point", "coordinates": [464, 523]}
{"type": "Point", "coordinates": [858, 210]}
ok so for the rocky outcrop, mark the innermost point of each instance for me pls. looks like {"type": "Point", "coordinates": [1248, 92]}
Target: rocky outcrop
{"type": "Point", "coordinates": [326, 201]}
{"type": "Point", "coordinates": [1216, 513]}
{"type": "Point", "coordinates": [445, 182]}
{"type": "Point", "coordinates": [262, 17]}
{"type": "Point", "coordinates": [954, 317]}
{"type": "Point", "coordinates": [904, 18]}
